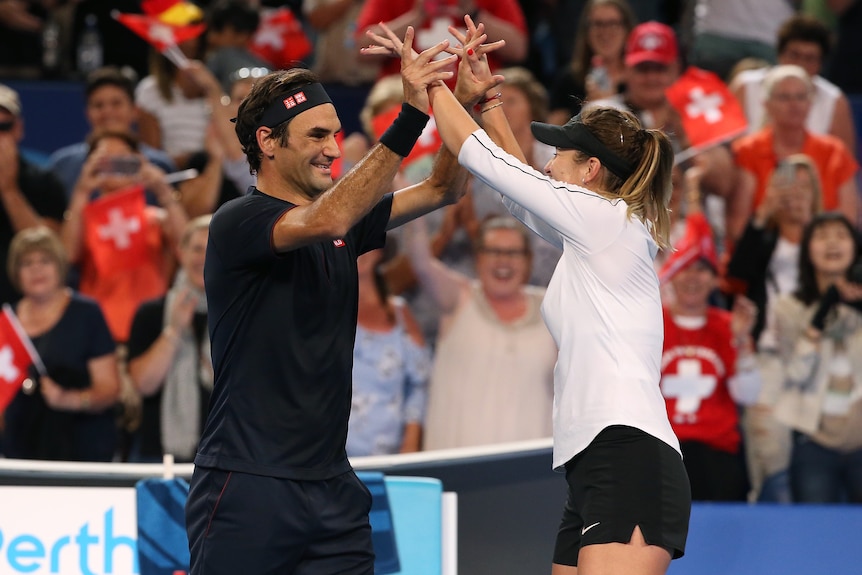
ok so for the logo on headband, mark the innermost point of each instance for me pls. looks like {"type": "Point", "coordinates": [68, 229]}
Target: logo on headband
{"type": "Point", "coordinates": [294, 100]}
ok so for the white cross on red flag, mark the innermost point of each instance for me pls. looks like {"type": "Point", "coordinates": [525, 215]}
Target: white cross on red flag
{"type": "Point", "coordinates": [17, 354]}
{"type": "Point", "coordinates": [710, 112]}
{"type": "Point", "coordinates": [159, 35]}
{"type": "Point", "coordinates": [115, 230]}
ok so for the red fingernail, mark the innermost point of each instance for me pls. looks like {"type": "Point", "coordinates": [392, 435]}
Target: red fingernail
{"type": "Point", "coordinates": [470, 52]}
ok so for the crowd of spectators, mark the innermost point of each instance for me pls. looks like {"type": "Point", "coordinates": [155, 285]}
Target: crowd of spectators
{"type": "Point", "coordinates": [763, 293]}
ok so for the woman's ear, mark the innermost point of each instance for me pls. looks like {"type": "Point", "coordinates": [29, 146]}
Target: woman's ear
{"type": "Point", "coordinates": [591, 174]}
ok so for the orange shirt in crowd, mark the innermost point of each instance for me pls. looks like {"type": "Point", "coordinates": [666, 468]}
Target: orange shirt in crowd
{"type": "Point", "coordinates": [120, 292]}
{"type": "Point", "coordinates": [836, 165]}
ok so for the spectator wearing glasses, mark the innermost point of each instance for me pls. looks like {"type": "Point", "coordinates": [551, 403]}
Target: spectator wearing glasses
{"type": "Point", "coordinates": [788, 92]}
{"type": "Point", "coordinates": [492, 375]}
{"type": "Point", "coordinates": [600, 42]}
{"type": "Point", "coordinates": [805, 42]}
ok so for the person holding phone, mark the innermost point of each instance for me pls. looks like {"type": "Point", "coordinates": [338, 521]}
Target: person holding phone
{"type": "Point", "coordinates": [114, 165]}
{"type": "Point", "coordinates": [820, 344]}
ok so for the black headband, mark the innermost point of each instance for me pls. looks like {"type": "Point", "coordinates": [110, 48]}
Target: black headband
{"type": "Point", "coordinates": [293, 103]}
{"type": "Point", "coordinates": [574, 135]}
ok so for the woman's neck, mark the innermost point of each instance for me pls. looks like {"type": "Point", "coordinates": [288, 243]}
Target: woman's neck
{"type": "Point", "coordinates": [787, 140]}
{"type": "Point", "coordinates": [46, 301]}
{"type": "Point", "coordinates": [825, 280]}
{"type": "Point", "coordinates": [508, 308]}
{"type": "Point", "coordinates": [683, 309]}
{"type": "Point", "coordinates": [39, 314]}
{"type": "Point", "coordinates": [791, 231]}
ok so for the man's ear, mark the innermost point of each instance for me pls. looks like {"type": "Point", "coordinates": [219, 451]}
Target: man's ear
{"type": "Point", "coordinates": [266, 142]}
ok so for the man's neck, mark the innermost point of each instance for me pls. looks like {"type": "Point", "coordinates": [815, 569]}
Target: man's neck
{"type": "Point", "coordinates": [271, 184]}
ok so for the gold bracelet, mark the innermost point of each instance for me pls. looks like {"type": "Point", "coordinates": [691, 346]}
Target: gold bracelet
{"type": "Point", "coordinates": [483, 110]}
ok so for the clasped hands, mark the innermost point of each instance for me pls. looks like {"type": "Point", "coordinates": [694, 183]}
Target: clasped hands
{"type": "Point", "coordinates": [421, 72]}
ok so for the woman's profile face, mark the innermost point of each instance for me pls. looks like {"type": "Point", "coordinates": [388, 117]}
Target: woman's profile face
{"type": "Point", "coordinates": [832, 248]}
{"type": "Point", "coordinates": [38, 274]}
{"type": "Point", "coordinates": [564, 167]}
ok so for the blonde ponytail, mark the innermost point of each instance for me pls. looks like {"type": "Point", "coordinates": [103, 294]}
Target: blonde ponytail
{"type": "Point", "coordinates": [647, 191]}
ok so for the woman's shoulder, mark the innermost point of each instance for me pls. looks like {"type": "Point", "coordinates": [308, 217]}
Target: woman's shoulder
{"type": "Point", "coordinates": [788, 305]}
{"type": "Point", "coordinates": [85, 309]}
{"type": "Point", "coordinates": [146, 86]}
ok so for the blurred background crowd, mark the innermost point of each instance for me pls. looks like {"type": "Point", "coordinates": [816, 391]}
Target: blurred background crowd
{"type": "Point", "coordinates": [105, 107]}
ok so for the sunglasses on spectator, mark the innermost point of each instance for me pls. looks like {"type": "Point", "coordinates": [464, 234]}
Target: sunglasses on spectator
{"type": "Point", "coordinates": [7, 126]}
{"type": "Point", "coordinates": [498, 252]}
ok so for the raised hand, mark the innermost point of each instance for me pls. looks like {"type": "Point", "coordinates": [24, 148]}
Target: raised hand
{"type": "Point", "coordinates": [474, 73]}
{"type": "Point", "coordinates": [743, 317]}
{"type": "Point", "coordinates": [418, 71]}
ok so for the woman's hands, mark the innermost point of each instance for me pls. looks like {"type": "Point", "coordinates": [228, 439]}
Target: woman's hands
{"type": "Point", "coordinates": [418, 71]}
{"type": "Point", "coordinates": [474, 74]}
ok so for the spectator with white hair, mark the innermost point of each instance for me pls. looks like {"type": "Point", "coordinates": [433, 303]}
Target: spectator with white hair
{"type": "Point", "coordinates": [804, 41]}
{"type": "Point", "coordinates": [788, 93]}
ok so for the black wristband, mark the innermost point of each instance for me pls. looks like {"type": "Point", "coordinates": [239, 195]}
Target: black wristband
{"type": "Point", "coordinates": [405, 130]}
{"type": "Point", "coordinates": [827, 302]}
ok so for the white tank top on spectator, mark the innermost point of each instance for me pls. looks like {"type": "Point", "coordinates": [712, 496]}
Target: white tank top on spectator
{"type": "Point", "coordinates": [819, 121]}
{"type": "Point", "coordinates": [756, 20]}
{"type": "Point", "coordinates": [183, 121]}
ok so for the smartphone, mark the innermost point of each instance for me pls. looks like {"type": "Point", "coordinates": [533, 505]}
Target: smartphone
{"type": "Point", "coordinates": [121, 165]}
{"type": "Point", "coordinates": [785, 174]}
{"type": "Point", "coordinates": [855, 273]}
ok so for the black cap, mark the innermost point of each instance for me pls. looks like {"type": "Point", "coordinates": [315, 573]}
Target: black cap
{"type": "Point", "coordinates": [574, 135]}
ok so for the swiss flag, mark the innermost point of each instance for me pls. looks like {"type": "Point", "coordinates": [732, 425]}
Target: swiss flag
{"type": "Point", "coordinates": [280, 39]}
{"type": "Point", "coordinates": [428, 143]}
{"type": "Point", "coordinates": [17, 354]}
{"type": "Point", "coordinates": [710, 113]}
{"type": "Point", "coordinates": [114, 230]}
{"type": "Point", "coordinates": [696, 243]}
{"type": "Point", "coordinates": [160, 35]}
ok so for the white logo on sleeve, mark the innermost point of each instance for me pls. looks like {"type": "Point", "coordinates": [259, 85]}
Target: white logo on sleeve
{"type": "Point", "coordinates": [585, 529]}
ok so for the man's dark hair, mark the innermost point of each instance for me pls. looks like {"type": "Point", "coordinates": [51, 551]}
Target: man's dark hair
{"type": "Point", "coordinates": [110, 76]}
{"type": "Point", "coordinates": [265, 91]}
{"type": "Point", "coordinates": [804, 28]}
{"type": "Point", "coordinates": [234, 13]}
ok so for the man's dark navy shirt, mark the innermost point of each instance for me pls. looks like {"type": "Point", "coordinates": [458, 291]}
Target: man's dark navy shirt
{"type": "Point", "coordinates": [282, 328]}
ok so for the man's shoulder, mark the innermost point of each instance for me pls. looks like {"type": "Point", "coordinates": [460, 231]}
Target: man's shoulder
{"type": "Point", "coordinates": [158, 157]}
{"type": "Point", "coordinates": [253, 203]}
{"type": "Point", "coordinates": [826, 87]}
{"type": "Point", "coordinates": [38, 177]}
{"type": "Point", "coordinates": [71, 153]}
